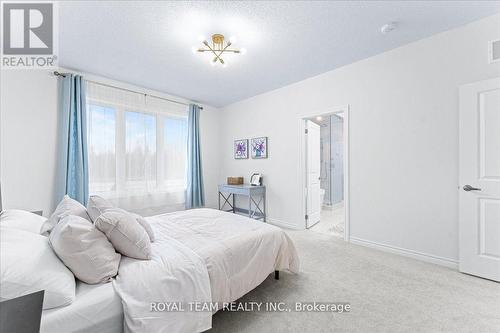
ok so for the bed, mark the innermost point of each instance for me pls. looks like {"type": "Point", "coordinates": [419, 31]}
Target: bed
{"type": "Point", "coordinates": [96, 308]}
{"type": "Point", "coordinates": [201, 255]}
{"type": "Point", "coordinates": [239, 252]}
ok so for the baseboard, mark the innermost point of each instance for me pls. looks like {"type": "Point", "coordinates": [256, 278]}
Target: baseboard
{"type": "Point", "coordinates": [282, 224]}
{"type": "Point", "coordinates": [450, 263]}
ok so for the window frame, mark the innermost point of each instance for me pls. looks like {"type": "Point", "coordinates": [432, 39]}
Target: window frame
{"type": "Point", "coordinates": [120, 145]}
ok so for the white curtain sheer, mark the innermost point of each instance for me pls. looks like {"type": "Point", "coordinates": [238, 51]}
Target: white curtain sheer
{"type": "Point", "coordinates": [137, 149]}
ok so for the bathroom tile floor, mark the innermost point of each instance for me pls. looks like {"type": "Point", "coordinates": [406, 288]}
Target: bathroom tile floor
{"type": "Point", "coordinates": [332, 220]}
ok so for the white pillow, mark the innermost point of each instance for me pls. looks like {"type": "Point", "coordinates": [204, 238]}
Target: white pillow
{"type": "Point", "coordinates": [22, 220]}
{"type": "Point", "coordinates": [98, 205]}
{"type": "Point", "coordinates": [141, 220]}
{"type": "Point", "coordinates": [145, 224]}
{"type": "Point", "coordinates": [66, 207]}
{"type": "Point", "coordinates": [85, 250]}
{"type": "Point", "coordinates": [28, 264]}
{"type": "Point", "coordinates": [125, 233]}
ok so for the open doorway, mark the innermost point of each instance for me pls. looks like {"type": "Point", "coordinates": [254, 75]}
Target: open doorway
{"type": "Point", "coordinates": [326, 170]}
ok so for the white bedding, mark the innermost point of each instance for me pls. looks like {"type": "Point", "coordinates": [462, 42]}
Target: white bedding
{"type": "Point", "coordinates": [239, 252]}
{"type": "Point", "coordinates": [96, 308]}
{"type": "Point", "coordinates": [199, 255]}
{"type": "Point", "coordinates": [174, 274]}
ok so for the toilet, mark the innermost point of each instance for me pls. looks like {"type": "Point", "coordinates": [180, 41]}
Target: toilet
{"type": "Point", "coordinates": [321, 196]}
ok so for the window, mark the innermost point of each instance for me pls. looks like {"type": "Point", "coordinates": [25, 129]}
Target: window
{"type": "Point", "coordinates": [140, 150]}
{"type": "Point", "coordinates": [137, 149]}
{"type": "Point", "coordinates": [101, 148]}
{"type": "Point", "coordinates": [174, 152]}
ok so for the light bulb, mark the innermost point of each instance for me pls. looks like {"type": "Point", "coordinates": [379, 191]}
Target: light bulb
{"type": "Point", "coordinates": [224, 65]}
{"type": "Point", "coordinates": [194, 49]}
{"type": "Point", "coordinates": [243, 51]}
{"type": "Point", "coordinates": [201, 38]}
{"type": "Point", "coordinates": [212, 63]}
{"type": "Point", "coordinates": [233, 39]}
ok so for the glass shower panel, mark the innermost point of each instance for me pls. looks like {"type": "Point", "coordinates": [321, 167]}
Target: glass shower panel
{"type": "Point", "coordinates": [337, 159]}
{"type": "Point", "coordinates": [325, 135]}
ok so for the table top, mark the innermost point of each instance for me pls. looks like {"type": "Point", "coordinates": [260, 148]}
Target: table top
{"type": "Point", "coordinates": [243, 186]}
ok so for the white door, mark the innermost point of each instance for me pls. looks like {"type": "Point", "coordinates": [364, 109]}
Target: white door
{"type": "Point", "coordinates": [313, 167]}
{"type": "Point", "coordinates": [479, 198]}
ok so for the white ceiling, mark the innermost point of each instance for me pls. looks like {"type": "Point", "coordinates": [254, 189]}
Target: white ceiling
{"type": "Point", "coordinates": [149, 43]}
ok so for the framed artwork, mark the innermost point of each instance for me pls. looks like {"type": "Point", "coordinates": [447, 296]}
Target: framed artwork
{"type": "Point", "coordinates": [259, 147]}
{"type": "Point", "coordinates": [241, 149]}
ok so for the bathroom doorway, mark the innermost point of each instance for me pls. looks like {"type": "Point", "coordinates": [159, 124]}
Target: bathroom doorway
{"type": "Point", "coordinates": [326, 208]}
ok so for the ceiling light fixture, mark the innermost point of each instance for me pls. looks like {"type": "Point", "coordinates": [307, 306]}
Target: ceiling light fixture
{"type": "Point", "coordinates": [218, 47]}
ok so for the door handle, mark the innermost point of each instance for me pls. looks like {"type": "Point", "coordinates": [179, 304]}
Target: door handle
{"type": "Point", "coordinates": [470, 188]}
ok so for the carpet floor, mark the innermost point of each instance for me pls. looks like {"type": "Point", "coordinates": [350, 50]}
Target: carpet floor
{"type": "Point", "coordinates": [386, 292]}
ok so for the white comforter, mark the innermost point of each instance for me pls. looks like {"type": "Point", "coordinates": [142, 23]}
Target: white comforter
{"type": "Point", "coordinates": [200, 255]}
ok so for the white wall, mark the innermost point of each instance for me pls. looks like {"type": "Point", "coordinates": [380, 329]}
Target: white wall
{"type": "Point", "coordinates": [28, 112]}
{"type": "Point", "coordinates": [403, 131]}
{"type": "Point", "coordinates": [28, 136]}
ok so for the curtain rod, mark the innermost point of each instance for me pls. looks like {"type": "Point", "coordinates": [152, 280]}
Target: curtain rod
{"type": "Point", "coordinates": [56, 73]}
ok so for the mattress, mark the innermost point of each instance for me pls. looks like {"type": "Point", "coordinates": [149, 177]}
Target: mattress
{"type": "Point", "coordinates": [96, 308]}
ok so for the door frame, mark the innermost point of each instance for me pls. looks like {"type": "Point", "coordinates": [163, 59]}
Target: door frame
{"type": "Point", "coordinates": [303, 161]}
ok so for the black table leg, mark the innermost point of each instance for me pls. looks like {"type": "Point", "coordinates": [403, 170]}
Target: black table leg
{"type": "Point", "coordinates": [276, 275]}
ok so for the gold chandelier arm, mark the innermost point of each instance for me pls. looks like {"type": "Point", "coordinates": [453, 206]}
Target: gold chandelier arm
{"type": "Point", "coordinates": [217, 56]}
{"type": "Point", "coordinates": [222, 51]}
{"type": "Point", "coordinates": [225, 48]}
